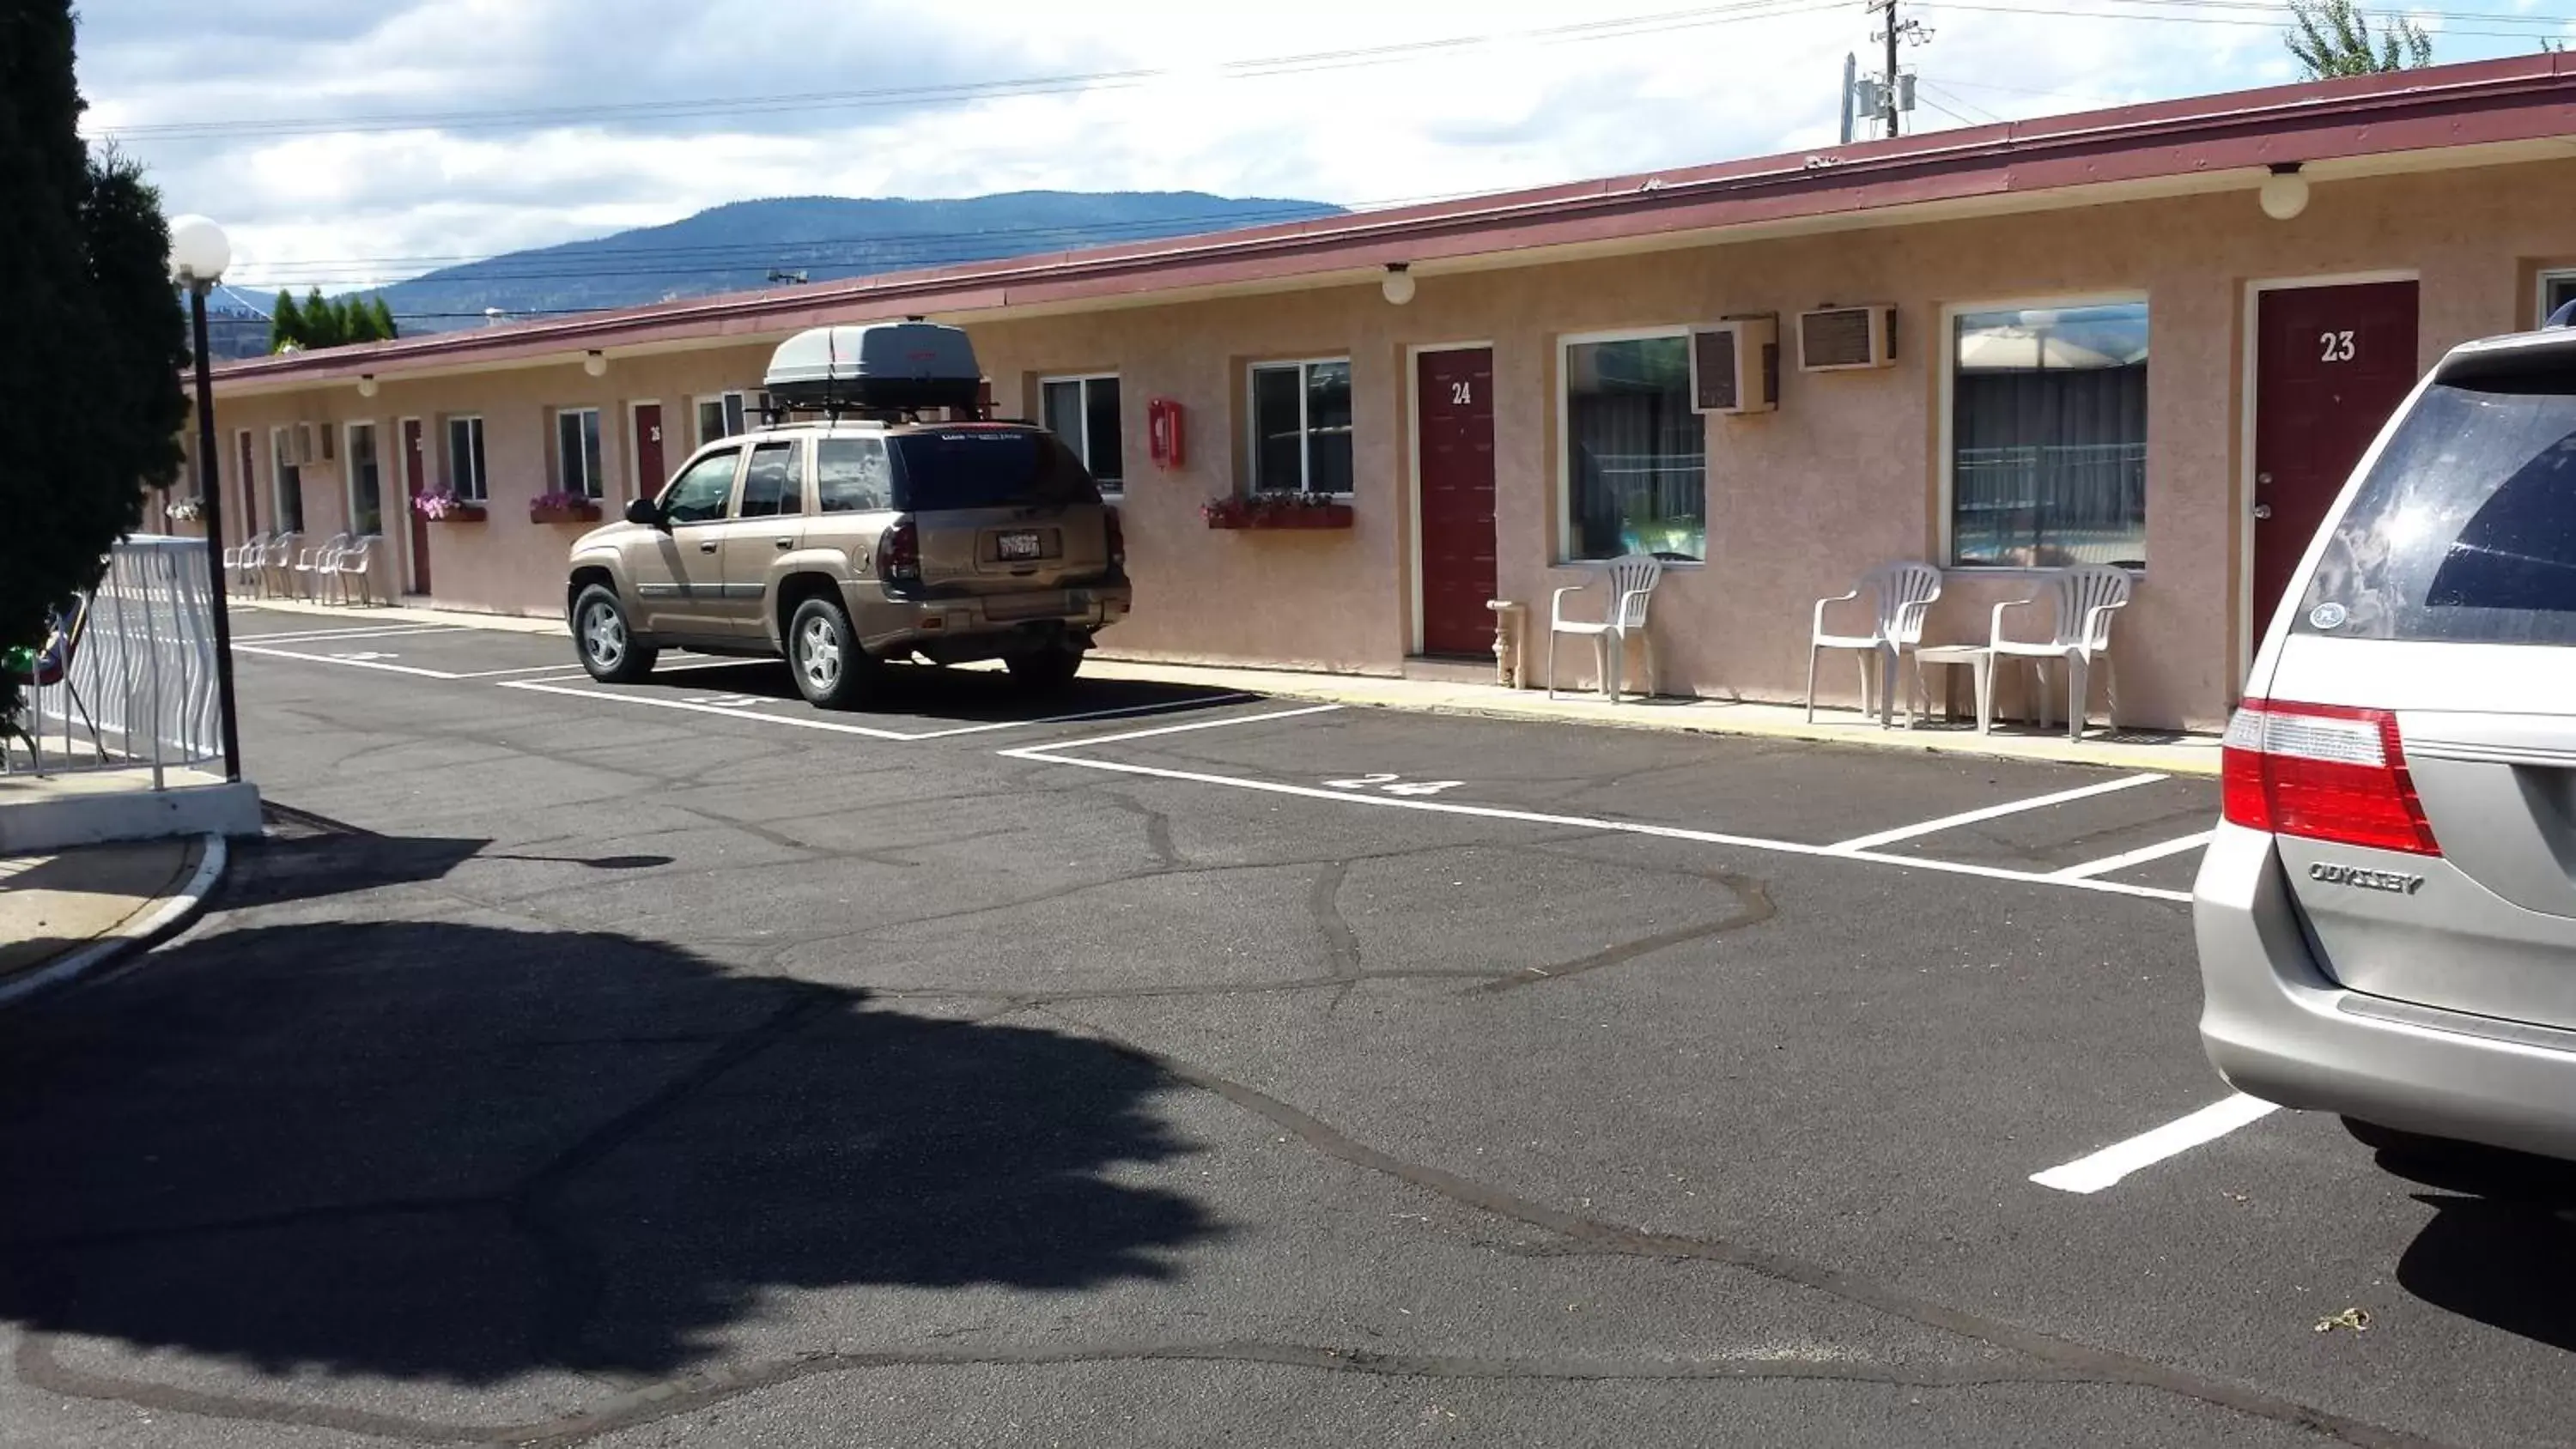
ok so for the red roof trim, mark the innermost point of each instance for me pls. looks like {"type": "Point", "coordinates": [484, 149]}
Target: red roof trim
{"type": "Point", "coordinates": [2519, 98]}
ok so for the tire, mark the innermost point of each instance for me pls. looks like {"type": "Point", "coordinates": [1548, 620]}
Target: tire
{"type": "Point", "coordinates": [605, 640]}
{"type": "Point", "coordinates": [1044, 671]}
{"type": "Point", "coordinates": [823, 654]}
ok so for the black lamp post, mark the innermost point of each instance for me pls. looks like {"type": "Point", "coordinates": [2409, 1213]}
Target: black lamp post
{"type": "Point", "coordinates": [199, 252]}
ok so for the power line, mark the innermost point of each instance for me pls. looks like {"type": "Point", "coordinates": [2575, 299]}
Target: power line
{"type": "Point", "coordinates": [1611, 29]}
{"type": "Point", "coordinates": [2274, 25]}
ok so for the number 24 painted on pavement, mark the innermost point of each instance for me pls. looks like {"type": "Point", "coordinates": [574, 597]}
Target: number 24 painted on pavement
{"type": "Point", "coordinates": [1395, 784]}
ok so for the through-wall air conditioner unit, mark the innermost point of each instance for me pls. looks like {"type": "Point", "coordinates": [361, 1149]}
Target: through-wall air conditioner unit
{"type": "Point", "coordinates": [1735, 366]}
{"type": "Point", "coordinates": [1846, 339]}
{"type": "Point", "coordinates": [299, 446]}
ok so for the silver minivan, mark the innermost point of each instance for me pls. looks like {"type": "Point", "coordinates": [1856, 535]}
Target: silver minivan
{"type": "Point", "coordinates": [2386, 916]}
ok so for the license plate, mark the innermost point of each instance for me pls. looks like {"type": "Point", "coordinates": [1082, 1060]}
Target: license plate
{"type": "Point", "coordinates": [1016, 545]}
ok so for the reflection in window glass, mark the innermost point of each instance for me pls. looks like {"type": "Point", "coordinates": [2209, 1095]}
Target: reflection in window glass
{"type": "Point", "coordinates": [851, 475]}
{"type": "Point", "coordinates": [465, 458]}
{"type": "Point", "coordinates": [2048, 436]}
{"type": "Point", "coordinates": [1301, 427]}
{"type": "Point", "coordinates": [577, 466]}
{"type": "Point", "coordinates": [1083, 411]}
{"type": "Point", "coordinates": [1636, 455]}
{"type": "Point", "coordinates": [700, 494]}
{"type": "Point", "coordinates": [773, 484]}
{"type": "Point", "coordinates": [2466, 528]}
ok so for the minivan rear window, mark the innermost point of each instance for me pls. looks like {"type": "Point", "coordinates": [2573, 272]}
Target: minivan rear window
{"type": "Point", "coordinates": [2465, 529]}
{"type": "Point", "coordinates": [986, 468]}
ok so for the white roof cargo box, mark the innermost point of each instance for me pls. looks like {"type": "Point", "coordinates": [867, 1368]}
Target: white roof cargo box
{"type": "Point", "coordinates": [885, 365]}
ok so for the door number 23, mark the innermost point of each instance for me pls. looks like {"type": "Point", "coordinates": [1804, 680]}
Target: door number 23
{"type": "Point", "coordinates": [2337, 345]}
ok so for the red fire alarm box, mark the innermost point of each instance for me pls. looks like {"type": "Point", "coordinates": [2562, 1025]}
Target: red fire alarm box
{"type": "Point", "coordinates": [1163, 432]}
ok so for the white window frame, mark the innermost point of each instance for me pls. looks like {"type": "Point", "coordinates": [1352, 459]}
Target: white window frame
{"type": "Point", "coordinates": [566, 480]}
{"type": "Point", "coordinates": [1563, 553]}
{"type": "Point", "coordinates": [752, 401]}
{"type": "Point", "coordinates": [349, 471]}
{"type": "Point", "coordinates": [449, 462]}
{"type": "Point", "coordinates": [1946, 359]}
{"type": "Point", "coordinates": [1082, 444]}
{"type": "Point", "coordinates": [277, 466]}
{"type": "Point", "coordinates": [2540, 290]}
{"type": "Point", "coordinates": [1252, 421]}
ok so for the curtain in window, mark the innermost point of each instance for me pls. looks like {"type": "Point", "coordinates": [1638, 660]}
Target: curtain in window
{"type": "Point", "coordinates": [1637, 454]}
{"type": "Point", "coordinates": [2049, 437]}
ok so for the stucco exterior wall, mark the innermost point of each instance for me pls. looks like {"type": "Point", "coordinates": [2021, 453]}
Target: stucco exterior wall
{"type": "Point", "coordinates": [1845, 475]}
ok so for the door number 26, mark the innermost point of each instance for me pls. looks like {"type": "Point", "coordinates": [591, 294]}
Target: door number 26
{"type": "Point", "coordinates": [2337, 345]}
{"type": "Point", "coordinates": [1395, 784]}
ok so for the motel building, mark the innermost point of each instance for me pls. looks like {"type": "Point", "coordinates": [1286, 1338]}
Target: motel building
{"type": "Point", "coordinates": [2155, 337]}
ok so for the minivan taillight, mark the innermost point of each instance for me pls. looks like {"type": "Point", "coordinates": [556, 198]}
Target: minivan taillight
{"type": "Point", "coordinates": [899, 553]}
{"type": "Point", "coordinates": [1114, 533]}
{"type": "Point", "coordinates": [2324, 772]}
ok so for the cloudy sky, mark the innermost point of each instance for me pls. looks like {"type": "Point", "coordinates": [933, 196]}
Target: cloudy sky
{"type": "Point", "coordinates": [350, 141]}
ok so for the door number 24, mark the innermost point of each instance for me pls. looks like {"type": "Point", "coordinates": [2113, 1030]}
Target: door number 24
{"type": "Point", "coordinates": [2337, 345]}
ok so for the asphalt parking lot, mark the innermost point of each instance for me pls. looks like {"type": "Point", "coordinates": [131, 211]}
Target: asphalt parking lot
{"type": "Point", "coordinates": [675, 1064]}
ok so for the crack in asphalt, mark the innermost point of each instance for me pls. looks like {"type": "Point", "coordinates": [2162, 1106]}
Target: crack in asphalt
{"type": "Point", "coordinates": [1755, 907]}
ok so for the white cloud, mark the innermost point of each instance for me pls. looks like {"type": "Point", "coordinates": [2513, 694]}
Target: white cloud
{"type": "Point", "coordinates": [1517, 111]}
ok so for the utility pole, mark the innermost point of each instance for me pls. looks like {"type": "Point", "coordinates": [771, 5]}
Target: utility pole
{"type": "Point", "coordinates": [1851, 76]}
{"type": "Point", "coordinates": [1892, 93]}
{"type": "Point", "coordinates": [1887, 78]}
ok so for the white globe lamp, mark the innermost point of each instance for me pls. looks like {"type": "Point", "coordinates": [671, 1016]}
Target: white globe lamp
{"type": "Point", "coordinates": [199, 251]}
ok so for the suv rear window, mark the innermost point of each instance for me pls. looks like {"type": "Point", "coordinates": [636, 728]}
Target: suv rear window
{"type": "Point", "coordinates": [986, 468]}
{"type": "Point", "coordinates": [2465, 529]}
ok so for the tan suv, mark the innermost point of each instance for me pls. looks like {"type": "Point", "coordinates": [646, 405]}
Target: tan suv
{"type": "Point", "coordinates": [840, 545]}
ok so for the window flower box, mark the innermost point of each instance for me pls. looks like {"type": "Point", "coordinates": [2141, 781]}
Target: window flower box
{"type": "Point", "coordinates": [445, 507]}
{"type": "Point", "coordinates": [563, 508]}
{"type": "Point", "coordinates": [1276, 510]}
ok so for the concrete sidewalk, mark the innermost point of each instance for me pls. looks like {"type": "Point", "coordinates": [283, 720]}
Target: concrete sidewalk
{"type": "Point", "coordinates": [68, 912]}
{"type": "Point", "coordinates": [2170, 753]}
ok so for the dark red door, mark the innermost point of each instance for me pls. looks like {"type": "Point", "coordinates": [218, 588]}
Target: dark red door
{"type": "Point", "coordinates": [2331, 363]}
{"type": "Point", "coordinates": [248, 513]}
{"type": "Point", "coordinates": [416, 482]}
{"type": "Point", "coordinates": [1455, 408]}
{"type": "Point", "coordinates": [649, 476]}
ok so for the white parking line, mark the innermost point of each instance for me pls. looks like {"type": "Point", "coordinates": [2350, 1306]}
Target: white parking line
{"type": "Point", "coordinates": [832, 726]}
{"type": "Point", "coordinates": [314, 636]}
{"type": "Point", "coordinates": [871, 732]}
{"type": "Point", "coordinates": [2102, 1169]}
{"type": "Point", "coordinates": [1991, 812]}
{"type": "Point", "coordinates": [241, 648]}
{"type": "Point", "coordinates": [1048, 754]}
{"type": "Point", "coordinates": [556, 668]}
{"type": "Point", "coordinates": [2140, 856]}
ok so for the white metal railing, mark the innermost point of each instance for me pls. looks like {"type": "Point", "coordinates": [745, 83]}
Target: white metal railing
{"type": "Point", "coordinates": [132, 686]}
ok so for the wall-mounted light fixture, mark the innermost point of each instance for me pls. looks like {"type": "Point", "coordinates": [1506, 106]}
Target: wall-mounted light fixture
{"type": "Point", "coordinates": [595, 362]}
{"type": "Point", "coordinates": [1397, 287]}
{"type": "Point", "coordinates": [2285, 191]}
{"type": "Point", "coordinates": [366, 384]}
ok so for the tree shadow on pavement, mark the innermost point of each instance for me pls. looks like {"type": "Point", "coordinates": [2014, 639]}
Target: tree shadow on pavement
{"type": "Point", "coordinates": [458, 1153]}
{"type": "Point", "coordinates": [2501, 1247]}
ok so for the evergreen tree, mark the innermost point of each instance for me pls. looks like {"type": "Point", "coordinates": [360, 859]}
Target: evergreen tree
{"type": "Point", "coordinates": [323, 323]}
{"type": "Point", "coordinates": [87, 249]}
{"type": "Point", "coordinates": [358, 321]}
{"type": "Point", "coordinates": [385, 327]}
{"type": "Point", "coordinates": [2333, 39]}
{"type": "Point", "coordinates": [285, 323]}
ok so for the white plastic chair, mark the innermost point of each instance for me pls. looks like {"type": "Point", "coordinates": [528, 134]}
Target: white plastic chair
{"type": "Point", "coordinates": [1901, 594]}
{"type": "Point", "coordinates": [1632, 588]}
{"type": "Point", "coordinates": [352, 564]}
{"type": "Point", "coordinates": [2084, 598]}
{"type": "Point", "coordinates": [319, 562]}
{"type": "Point", "coordinates": [241, 563]}
{"type": "Point", "coordinates": [275, 563]}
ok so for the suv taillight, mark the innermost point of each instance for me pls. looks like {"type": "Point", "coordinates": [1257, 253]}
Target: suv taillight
{"type": "Point", "coordinates": [899, 553]}
{"type": "Point", "coordinates": [2325, 772]}
{"type": "Point", "coordinates": [1114, 532]}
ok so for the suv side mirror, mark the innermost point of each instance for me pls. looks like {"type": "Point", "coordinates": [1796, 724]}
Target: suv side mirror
{"type": "Point", "coordinates": [644, 511]}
